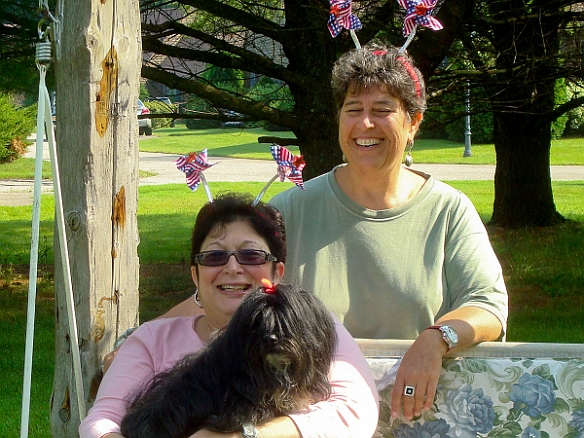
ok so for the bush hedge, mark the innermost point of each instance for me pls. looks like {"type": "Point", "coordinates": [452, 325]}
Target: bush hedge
{"type": "Point", "coordinates": [16, 124]}
{"type": "Point", "coordinates": [157, 107]}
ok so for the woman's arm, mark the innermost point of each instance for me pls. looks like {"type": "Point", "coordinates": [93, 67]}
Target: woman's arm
{"type": "Point", "coordinates": [475, 306]}
{"type": "Point", "coordinates": [280, 427]}
{"type": "Point", "coordinates": [187, 307]}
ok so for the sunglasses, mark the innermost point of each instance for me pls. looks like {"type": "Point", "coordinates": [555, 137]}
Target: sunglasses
{"type": "Point", "coordinates": [243, 257]}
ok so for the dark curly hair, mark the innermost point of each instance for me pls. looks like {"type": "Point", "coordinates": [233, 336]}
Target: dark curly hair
{"type": "Point", "coordinates": [378, 64]}
{"type": "Point", "coordinates": [227, 208]}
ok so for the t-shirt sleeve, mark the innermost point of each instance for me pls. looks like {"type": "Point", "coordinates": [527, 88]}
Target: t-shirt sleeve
{"type": "Point", "coordinates": [472, 271]}
{"type": "Point", "coordinates": [352, 410]}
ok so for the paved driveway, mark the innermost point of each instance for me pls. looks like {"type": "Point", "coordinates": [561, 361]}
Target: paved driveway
{"type": "Point", "coordinates": [19, 192]}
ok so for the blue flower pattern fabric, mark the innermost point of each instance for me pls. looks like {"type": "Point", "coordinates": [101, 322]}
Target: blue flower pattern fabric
{"type": "Point", "coordinates": [495, 397]}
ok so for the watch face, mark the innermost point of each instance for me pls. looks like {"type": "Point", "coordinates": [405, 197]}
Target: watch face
{"type": "Point", "coordinates": [249, 430]}
{"type": "Point", "coordinates": [450, 336]}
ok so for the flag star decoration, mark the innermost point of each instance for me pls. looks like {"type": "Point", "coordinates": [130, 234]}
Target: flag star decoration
{"type": "Point", "coordinates": [193, 165]}
{"type": "Point", "coordinates": [342, 17]}
{"type": "Point", "coordinates": [289, 166]}
{"type": "Point", "coordinates": [419, 12]}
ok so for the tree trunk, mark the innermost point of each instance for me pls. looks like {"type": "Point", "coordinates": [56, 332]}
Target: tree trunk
{"type": "Point", "coordinates": [523, 189]}
{"type": "Point", "coordinates": [97, 133]}
{"type": "Point", "coordinates": [522, 104]}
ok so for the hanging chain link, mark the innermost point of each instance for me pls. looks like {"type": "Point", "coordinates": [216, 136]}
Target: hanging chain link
{"type": "Point", "coordinates": [48, 25]}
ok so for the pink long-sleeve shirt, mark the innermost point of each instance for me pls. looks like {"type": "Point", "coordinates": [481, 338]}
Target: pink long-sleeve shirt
{"type": "Point", "coordinates": [352, 410]}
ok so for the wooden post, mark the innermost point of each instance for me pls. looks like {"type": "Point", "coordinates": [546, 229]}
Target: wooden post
{"type": "Point", "coordinates": [97, 77]}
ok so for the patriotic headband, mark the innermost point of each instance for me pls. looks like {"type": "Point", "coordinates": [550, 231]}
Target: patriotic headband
{"type": "Point", "coordinates": [289, 166]}
{"type": "Point", "coordinates": [341, 16]}
{"type": "Point", "coordinates": [193, 166]}
{"type": "Point", "coordinates": [418, 13]}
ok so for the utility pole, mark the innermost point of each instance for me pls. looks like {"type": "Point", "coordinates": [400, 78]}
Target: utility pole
{"type": "Point", "coordinates": [97, 80]}
{"type": "Point", "coordinates": [467, 133]}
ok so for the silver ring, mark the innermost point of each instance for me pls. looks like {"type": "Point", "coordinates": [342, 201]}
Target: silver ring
{"type": "Point", "coordinates": [409, 390]}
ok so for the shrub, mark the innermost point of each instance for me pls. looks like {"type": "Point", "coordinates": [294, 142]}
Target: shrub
{"type": "Point", "coordinates": [561, 96]}
{"type": "Point", "coordinates": [157, 107]}
{"type": "Point", "coordinates": [16, 124]}
{"type": "Point", "coordinates": [481, 128]}
{"type": "Point", "coordinates": [199, 104]}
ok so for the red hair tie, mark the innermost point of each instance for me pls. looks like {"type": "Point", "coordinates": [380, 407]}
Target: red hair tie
{"type": "Point", "coordinates": [269, 287]}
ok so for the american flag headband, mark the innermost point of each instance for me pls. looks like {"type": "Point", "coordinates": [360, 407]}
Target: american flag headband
{"type": "Point", "coordinates": [418, 13]}
{"type": "Point", "coordinates": [289, 166]}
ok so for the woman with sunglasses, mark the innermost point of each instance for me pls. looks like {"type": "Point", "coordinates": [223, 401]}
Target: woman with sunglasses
{"type": "Point", "coordinates": [234, 246]}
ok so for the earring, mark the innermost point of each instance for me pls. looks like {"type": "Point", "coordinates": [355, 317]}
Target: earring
{"type": "Point", "coordinates": [196, 298]}
{"type": "Point", "coordinates": [409, 160]}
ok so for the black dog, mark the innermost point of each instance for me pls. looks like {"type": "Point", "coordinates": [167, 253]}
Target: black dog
{"type": "Point", "coordinates": [272, 359]}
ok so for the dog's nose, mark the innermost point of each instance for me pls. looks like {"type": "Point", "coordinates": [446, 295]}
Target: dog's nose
{"type": "Point", "coordinates": [273, 339]}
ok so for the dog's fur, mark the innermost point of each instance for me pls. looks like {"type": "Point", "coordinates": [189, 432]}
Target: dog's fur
{"type": "Point", "coordinates": [272, 359]}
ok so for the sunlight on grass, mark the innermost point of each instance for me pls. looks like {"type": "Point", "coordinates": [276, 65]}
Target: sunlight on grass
{"type": "Point", "coordinates": [23, 168]}
{"type": "Point", "coordinates": [236, 143]}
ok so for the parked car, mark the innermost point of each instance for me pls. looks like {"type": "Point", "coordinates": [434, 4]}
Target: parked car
{"type": "Point", "coordinates": [230, 114]}
{"type": "Point", "coordinates": [144, 124]}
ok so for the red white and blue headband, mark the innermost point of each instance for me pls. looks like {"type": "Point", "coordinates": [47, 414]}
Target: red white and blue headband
{"type": "Point", "coordinates": [418, 13]}
{"type": "Point", "coordinates": [289, 166]}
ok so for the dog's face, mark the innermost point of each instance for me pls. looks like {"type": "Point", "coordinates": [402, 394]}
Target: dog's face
{"type": "Point", "coordinates": [287, 341]}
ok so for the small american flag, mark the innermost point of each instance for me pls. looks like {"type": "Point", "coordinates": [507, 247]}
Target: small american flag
{"type": "Point", "coordinates": [342, 17]}
{"type": "Point", "coordinates": [193, 165]}
{"type": "Point", "coordinates": [419, 12]}
{"type": "Point", "coordinates": [289, 166]}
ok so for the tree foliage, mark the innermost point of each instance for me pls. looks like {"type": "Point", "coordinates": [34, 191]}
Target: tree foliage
{"type": "Point", "coordinates": [285, 41]}
{"type": "Point", "coordinates": [15, 126]}
{"type": "Point", "coordinates": [19, 31]}
{"type": "Point", "coordinates": [513, 54]}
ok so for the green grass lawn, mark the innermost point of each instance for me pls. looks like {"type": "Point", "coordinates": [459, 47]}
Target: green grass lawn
{"type": "Point", "coordinates": [544, 271]}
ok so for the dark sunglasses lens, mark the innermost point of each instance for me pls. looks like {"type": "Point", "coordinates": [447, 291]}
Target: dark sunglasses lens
{"type": "Point", "coordinates": [214, 258]}
{"type": "Point", "coordinates": [251, 257]}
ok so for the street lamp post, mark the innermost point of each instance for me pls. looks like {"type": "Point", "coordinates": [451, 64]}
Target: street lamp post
{"type": "Point", "coordinates": [467, 133]}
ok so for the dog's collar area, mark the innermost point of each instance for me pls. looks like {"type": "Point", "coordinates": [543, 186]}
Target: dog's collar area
{"type": "Point", "coordinates": [249, 430]}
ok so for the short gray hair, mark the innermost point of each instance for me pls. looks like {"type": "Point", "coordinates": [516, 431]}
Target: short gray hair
{"type": "Point", "coordinates": [378, 64]}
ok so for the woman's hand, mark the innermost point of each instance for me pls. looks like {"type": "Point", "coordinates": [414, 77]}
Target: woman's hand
{"type": "Point", "coordinates": [420, 369]}
{"type": "Point", "coordinates": [421, 365]}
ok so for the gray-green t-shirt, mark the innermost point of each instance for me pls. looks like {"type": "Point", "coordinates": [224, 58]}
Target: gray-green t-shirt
{"type": "Point", "coordinates": [388, 274]}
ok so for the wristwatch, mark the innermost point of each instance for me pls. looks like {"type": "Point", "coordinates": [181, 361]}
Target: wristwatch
{"type": "Point", "coordinates": [448, 334]}
{"type": "Point", "coordinates": [249, 430]}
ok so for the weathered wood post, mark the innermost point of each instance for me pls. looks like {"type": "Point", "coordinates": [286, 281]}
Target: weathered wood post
{"type": "Point", "coordinates": [97, 76]}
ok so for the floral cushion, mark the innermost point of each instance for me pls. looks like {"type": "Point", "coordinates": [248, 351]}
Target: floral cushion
{"type": "Point", "coordinates": [536, 397]}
